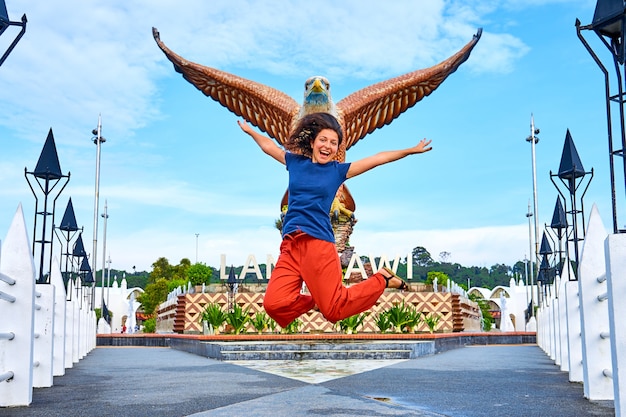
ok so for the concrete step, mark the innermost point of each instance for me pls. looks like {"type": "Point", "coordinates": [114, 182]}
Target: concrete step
{"type": "Point", "coordinates": [261, 350]}
{"type": "Point", "coordinates": [315, 354]}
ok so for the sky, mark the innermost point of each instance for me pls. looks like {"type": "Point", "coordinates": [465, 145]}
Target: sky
{"type": "Point", "coordinates": [180, 180]}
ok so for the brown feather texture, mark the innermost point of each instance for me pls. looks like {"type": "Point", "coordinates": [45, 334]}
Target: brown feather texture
{"type": "Point", "coordinates": [379, 104]}
{"type": "Point", "coordinates": [275, 113]}
{"type": "Point", "coordinates": [271, 110]}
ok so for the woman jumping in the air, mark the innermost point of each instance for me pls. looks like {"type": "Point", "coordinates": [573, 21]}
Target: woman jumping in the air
{"type": "Point", "coordinates": [307, 252]}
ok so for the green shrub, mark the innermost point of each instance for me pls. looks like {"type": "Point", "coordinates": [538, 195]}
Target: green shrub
{"type": "Point", "coordinates": [399, 316]}
{"type": "Point", "coordinates": [260, 321]}
{"type": "Point", "coordinates": [414, 318]}
{"type": "Point", "coordinates": [487, 319]}
{"type": "Point", "coordinates": [431, 321]}
{"type": "Point", "coordinates": [238, 318]}
{"type": "Point", "coordinates": [382, 321]}
{"type": "Point", "coordinates": [175, 283]}
{"type": "Point", "coordinates": [271, 325]}
{"type": "Point", "coordinates": [149, 326]}
{"type": "Point", "coordinates": [293, 327]}
{"type": "Point", "coordinates": [350, 324]}
{"type": "Point", "coordinates": [213, 316]}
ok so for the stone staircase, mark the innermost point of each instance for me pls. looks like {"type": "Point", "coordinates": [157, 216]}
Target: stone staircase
{"type": "Point", "coordinates": [304, 350]}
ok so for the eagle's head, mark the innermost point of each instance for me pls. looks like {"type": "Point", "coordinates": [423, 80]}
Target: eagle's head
{"type": "Point", "coordinates": [317, 97]}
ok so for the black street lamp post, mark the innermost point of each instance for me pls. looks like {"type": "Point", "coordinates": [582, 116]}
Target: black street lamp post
{"type": "Point", "coordinates": [545, 271]}
{"type": "Point", "coordinates": [609, 23]}
{"type": "Point", "coordinates": [572, 176]}
{"type": "Point", "coordinates": [559, 226]}
{"type": "Point", "coordinates": [78, 254]}
{"type": "Point", "coordinates": [231, 282]}
{"type": "Point", "coordinates": [4, 25]}
{"type": "Point", "coordinates": [65, 233]}
{"type": "Point", "coordinates": [47, 175]}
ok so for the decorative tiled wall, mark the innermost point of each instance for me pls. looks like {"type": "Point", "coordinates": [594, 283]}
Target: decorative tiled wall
{"type": "Point", "coordinates": [456, 313]}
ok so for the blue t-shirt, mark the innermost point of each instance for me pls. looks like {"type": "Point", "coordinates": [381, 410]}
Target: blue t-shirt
{"type": "Point", "coordinates": [312, 188]}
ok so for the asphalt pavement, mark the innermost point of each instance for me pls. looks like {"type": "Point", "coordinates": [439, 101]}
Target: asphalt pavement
{"type": "Point", "coordinates": [501, 380]}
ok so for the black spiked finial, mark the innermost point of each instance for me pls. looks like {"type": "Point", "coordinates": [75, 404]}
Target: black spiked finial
{"type": "Point", "coordinates": [88, 279]}
{"type": "Point", "coordinates": [545, 272]}
{"type": "Point", "coordinates": [571, 167]}
{"type": "Point", "coordinates": [232, 280]}
{"type": "Point", "coordinates": [544, 264]}
{"type": "Point", "coordinates": [79, 248]}
{"type": "Point", "coordinates": [48, 166]}
{"type": "Point", "coordinates": [545, 248]}
{"type": "Point", "coordinates": [541, 276]}
{"type": "Point", "coordinates": [68, 223]}
{"type": "Point", "coordinates": [84, 266]}
{"type": "Point", "coordinates": [559, 221]}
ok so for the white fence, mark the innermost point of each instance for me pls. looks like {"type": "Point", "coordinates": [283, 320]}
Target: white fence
{"type": "Point", "coordinates": [41, 334]}
{"type": "Point", "coordinates": [579, 323]}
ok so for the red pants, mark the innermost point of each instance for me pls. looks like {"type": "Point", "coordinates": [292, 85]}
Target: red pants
{"type": "Point", "coordinates": [314, 261]}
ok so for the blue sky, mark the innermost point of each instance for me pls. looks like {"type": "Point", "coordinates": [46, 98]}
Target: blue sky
{"type": "Point", "coordinates": [175, 164]}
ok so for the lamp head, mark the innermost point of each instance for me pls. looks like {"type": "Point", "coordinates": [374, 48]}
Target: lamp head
{"type": "Point", "coordinates": [4, 16]}
{"type": "Point", "coordinates": [609, 21]}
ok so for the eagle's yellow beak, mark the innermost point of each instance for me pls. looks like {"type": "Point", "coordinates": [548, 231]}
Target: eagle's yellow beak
{"type": "Point", "coordinates": [317, 86]}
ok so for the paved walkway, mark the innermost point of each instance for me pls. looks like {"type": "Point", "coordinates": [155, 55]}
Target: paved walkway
{"type": "Point", "coordinates": [467, 382]}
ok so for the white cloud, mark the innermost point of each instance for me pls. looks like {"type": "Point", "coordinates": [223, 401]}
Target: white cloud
{"type": "Point", "coordinates": [484, 246]}
{"type": "Point", "coordinates": [144, 247]}
{"type": "Point", "coordinates": [101, 59]}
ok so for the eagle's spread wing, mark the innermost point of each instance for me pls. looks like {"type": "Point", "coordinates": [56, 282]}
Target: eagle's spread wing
{"type": "Point", "coordinates": [268, 109]}
{"type": "Point", "coordinates": [377, 105]}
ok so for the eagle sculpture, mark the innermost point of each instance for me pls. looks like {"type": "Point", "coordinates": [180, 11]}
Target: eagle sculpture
{"type": "Point", "coordinates": [276, 113]}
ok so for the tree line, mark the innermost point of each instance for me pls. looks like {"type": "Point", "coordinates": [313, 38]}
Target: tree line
{"type": "Point", "coordinates": [165, 277]}
{"type": "Point", "coordinates": [476, 276]}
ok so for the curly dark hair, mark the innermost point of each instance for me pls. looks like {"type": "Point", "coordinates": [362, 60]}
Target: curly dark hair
{"type": "Point", "coordinates": [308, 128]}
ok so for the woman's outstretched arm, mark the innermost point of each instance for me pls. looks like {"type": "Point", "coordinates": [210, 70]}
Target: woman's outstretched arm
{"type": "Point", "coordinates": [266, 144]}
{"type": "Point", "coordinates": [365, 164]}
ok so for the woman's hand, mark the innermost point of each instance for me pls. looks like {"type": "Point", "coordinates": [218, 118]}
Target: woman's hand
{"type": "Point", "coordinates": [245, 127]}
{"type": "Point", "coordinates": [365, 164]}
{"type": "Point", "coordinates": [422, 146]}
{"type": "Point", "coordinates": [266, 144]}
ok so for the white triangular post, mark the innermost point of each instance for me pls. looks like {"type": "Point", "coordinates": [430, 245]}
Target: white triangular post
{"type": "Point", "coordinates": [574, 337]}
{"type": "Point", "coordinates": [17, 300]}
{"type": "Point", "coordinates": [594, 312]}
{"type": "Point", "coordinates": [58, 358]}
{"type": "Point", "coordinates": [615, 247]}
{"type": "Point", "coordinates": [563, 332]}
{"type": "Point", "coordinates": [44, 336]}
